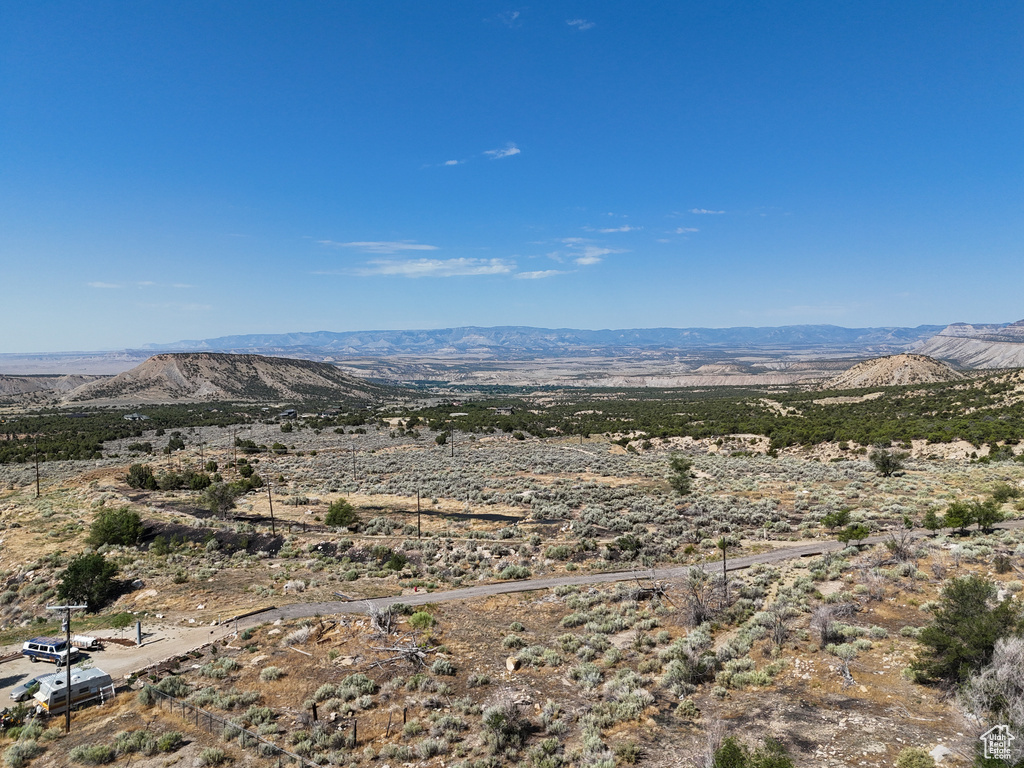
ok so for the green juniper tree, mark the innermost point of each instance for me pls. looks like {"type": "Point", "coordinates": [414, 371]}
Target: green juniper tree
{"type": "Point", "coordinates": [89, 580]}
{"type": "Point", "coordinates": [681, 478]}
{"type": "Point", "coordinates": [967, 623]}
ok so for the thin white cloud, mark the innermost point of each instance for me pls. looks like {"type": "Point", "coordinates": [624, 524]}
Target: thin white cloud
{"type": "Point", "coordinates": [97, 284]}
{"type": "Point", "coordinates": [509, 18]}
{"type": "Point", "coordinates": [540, 274]}
{"type": "Point", "coordinates": [145, 283]}
{"type": "Point", "coordinates": [436, 268]}
{"type": "Point", "coordinates": [623, 228]}
{"type": "Point", "coordinates": [508, 151]}
{"type": "Point", "coordinates": [380, 246]}
{"type": "Point", "coordinates": [685, 230]}
{"type": "Point", "coordinates": [581, 24]}
{"type": "Point", "coordinates": [592, 254]}
{"type": "Point", "coordinates": [704, 210]}
{"type": "Point", "coordinates": [581, 252]}
{"type": "Point", "coordinates": [181, 285]}
{"type": "Point", "coordinates": [452, 162]}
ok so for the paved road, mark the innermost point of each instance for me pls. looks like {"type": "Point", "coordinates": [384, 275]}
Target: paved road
{"type": "Point", "coordinates": [778, 555]}
{"type": "Point", "coordinates": [172, 641]}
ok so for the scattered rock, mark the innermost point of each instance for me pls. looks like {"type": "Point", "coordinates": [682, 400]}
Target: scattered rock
{"type": "Point", "coordinates": [940, 752]}
{"type": "Point", "coordinates": [512, 663]}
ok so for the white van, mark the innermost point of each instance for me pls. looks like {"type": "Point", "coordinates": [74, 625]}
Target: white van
{"type": "Point", "coordinates": [54, 649]}
{"type": "Point", "coordinates": [87, 685]}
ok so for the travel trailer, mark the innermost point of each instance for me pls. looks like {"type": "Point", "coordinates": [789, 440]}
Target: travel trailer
{"type": "Point", "coordinates": [87, 685]}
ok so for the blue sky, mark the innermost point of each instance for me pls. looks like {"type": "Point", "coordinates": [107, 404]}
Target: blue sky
{"type": "Point", "coordinates": [196, 169]}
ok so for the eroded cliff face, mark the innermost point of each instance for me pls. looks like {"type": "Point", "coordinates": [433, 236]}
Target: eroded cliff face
{"type": "Point", "coordinates": [978, 346]}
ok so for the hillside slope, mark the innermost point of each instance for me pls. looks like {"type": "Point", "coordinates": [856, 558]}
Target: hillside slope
{"type": "Point", "coordinates": [209, 376]}
{"type": "Point", "coordinates": [13, 386]}
{"type": "Point", "coordinates": [893, 371]}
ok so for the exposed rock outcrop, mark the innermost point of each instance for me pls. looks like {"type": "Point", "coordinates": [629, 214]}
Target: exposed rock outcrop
{"type": "Point", "coordinates": [893, 371]}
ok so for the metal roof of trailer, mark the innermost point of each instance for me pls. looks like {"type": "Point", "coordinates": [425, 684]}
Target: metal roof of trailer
{"type": "Point", "coordinates": [57, 679]}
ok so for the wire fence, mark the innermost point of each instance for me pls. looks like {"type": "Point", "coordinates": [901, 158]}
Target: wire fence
{"type": "Point", "coordinates": [202, 718]}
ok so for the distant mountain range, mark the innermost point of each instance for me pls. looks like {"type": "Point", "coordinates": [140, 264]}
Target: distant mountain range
{"type": "Point", "coordinates": [633, 357]}
{"type": "Point", "coordinates": [520, 341]}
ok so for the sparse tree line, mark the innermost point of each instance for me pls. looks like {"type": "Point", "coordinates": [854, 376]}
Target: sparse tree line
{"type": "Point", "coordinates": [218, 496]}
{"type": "Point", "coordinates": [978, 412]}
{"type": "Point", "coordinates": [935, 412]}
{"type": "Point", "coordinates": [59, 435]}
{"type": "Point", "coordinates": [959, 515]}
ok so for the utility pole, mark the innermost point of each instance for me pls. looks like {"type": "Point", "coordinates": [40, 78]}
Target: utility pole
{"type": "Point", "coordinates": [66, 610]}
{"type": "Point", "coordinates": [723, 544]}
{"type": "Point", "coordinates": [270, 499]}
{"type": "Point", "coordinates": [451, 422]}
{"type": "Point", "coordinates": [35, 453]}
